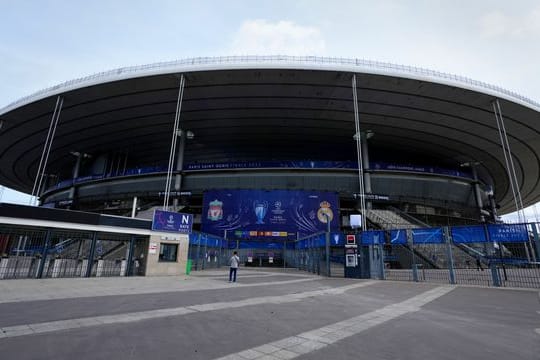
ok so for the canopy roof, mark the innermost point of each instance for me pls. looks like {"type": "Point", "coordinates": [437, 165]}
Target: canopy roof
{"type": "Point", "coordinates": [277, 108]}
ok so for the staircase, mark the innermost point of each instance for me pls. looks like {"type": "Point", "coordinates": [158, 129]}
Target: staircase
{"type": "Point", "coordinates": [435, 255]}
{"type": "Point", "coordinates": [148, 214]}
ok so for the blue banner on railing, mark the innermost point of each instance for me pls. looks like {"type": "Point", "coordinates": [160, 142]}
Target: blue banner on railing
{"type": "Point", "coordinates": [469, 234]}
{"type": "Point", "coordinates": [508, 232]}
{"type": "Point", "coordinates": [312, 242]}
{"type": "Point", "coordinates": [373, 237]}
{"type": "Point", "coordinates": [398, 237]}
{"type": "Point", "coordinates": [337, 239]}
{"type": "Point", "coordinates": [172, 222]}
{"type": "Point", "coordinates": [207, 240]}
{"type": "Point", "coordinates": [427, 236]}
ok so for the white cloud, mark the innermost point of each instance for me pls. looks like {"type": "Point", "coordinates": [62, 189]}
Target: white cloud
{"type": "Point", "coordinates": [497, 23]}
{"type": "Point", "coordinates": [263, 37]}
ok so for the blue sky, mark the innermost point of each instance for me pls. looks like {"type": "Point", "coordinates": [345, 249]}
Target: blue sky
{"type": "Point", "coordinates": [43, 43]}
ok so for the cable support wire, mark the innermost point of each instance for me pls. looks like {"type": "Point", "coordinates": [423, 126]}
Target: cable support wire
{"type": "Point", "coordinates": [174, 141]}
{"type": "Point", "coordinates": [518, 191]}
{"type": "Point", "coordinates": [507, 154]}
{"type": "Point", "coordinates": [510, 168]}
{"type": "Point", "coordinates": [359, 154]}
{"type": "Point", "coordinates": [46, 151]}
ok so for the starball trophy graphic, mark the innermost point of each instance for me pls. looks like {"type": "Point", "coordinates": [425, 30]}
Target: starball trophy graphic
{"type": "Point", "coordinates": [260, 208]}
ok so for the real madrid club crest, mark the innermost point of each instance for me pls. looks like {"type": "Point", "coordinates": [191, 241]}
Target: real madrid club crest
{"type": "Point", "coordinates": [215, 210]}
{"type": "Point", "coordinates": [324, 212]}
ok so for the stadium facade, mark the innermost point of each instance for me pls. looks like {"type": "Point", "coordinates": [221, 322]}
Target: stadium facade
{"type": "Point", "coordinates": [437, 147]}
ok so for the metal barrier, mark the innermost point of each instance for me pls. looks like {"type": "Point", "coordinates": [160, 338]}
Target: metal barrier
{"type": "Point", "coordinates": [35, 252]}
{"type": "Point", "coordinates": [207, 251]}
{"type": "Point", "coordinates": [487, 255]}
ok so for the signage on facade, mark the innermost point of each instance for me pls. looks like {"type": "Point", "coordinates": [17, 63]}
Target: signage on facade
{"type": "Point", "coordinates": [273, 214]}
{"type": "Point", "coordinates": [172, 222]}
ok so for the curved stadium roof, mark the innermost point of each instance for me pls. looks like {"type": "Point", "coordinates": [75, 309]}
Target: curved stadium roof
{"type": "Point", "coordinates": [278, 107]}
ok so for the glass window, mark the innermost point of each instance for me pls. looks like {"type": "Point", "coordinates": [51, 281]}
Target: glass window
{"type": "Point", "coordinates": [167, 252]}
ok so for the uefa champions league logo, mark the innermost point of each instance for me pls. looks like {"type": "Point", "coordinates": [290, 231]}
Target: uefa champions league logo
{"type": "Point", "coordinates": [260, 208]}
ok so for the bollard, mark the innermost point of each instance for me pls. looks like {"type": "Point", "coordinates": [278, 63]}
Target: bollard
{"type": "Point", "coordinates": [188, 267]}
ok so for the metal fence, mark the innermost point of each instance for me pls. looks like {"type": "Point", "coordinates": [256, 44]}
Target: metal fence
{"type": "Point", "coordinates": [491, 255]}
{"type": "Point", "coordinates": [37, 252]}
{"type": "Point", "coordinates": [207, 251]}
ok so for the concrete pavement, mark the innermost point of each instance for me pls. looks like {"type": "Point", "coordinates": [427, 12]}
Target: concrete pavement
{"type": "Point", "coordinates": [273, 314]}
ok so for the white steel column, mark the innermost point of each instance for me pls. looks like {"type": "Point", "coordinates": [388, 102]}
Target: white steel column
{"type": "Point", "coordinates": [511, 169]}
{"type": "Point", "coordinates": [134, 207]}
{"type": "Point", "coordinates": [510, 157]}
{"type": "Point", "coordinates": [506, 155]}
{"type": "Point", "coordinates": [36, 189]}
{"type": "Point", "coordinates": [173, 143]}
{"type": "Point", "coordinates": [359, 155]}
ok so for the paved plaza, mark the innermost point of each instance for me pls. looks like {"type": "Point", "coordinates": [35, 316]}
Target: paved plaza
{"type": "Point", "coordinates": [267, 314]}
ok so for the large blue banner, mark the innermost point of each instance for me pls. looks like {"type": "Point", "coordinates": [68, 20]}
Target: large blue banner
{"type": "Point", "coordinates": [508, 232]}
{"type": "Point", "coordinates": [398, 237]}
{"type": "Point", "coordinates": [427, 236]}
{"type": "Point", "coordinates": [469, 234]}
{"type": "Point", "coordinates": [260, 214]}
{"type": "Point", "coordinates": [373, 237]}
{"type": "Point", "coordinates": [172, 222]}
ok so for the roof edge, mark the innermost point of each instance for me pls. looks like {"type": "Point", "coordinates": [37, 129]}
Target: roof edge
{"type": "Point", "coordinates": [275, 62]}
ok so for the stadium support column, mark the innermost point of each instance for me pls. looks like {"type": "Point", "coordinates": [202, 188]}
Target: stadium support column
{"type": "Point", "coordinates": [476, 187]}
{"type": "Point", "coordinates": [76, 169]}
{"type": "Point", "coordinates": [365, 160]}
{"type": "Point", "coordinates": [477, 191]}
{"type": "Point", "coordinates": [179, 166]}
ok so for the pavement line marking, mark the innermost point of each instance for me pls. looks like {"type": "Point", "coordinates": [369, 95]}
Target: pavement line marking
{"type": "Point", "coordinates": [50, 326]}
{"type": "Point", "coordinates": [211, 286]}
{"type": "Point", "coordinates": [309, 341]}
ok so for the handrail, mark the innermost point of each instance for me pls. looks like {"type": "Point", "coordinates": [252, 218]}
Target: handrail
{"type": "Point", "coordinates": [408, 217]}
{"type": "Point", "coordinates": [270, 59]}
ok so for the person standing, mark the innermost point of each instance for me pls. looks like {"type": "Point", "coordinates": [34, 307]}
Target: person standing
{"type": "Point", "coordinates": [234, 261]}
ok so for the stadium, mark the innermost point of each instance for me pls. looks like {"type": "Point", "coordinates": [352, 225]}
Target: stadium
{"type": "Point", "coordinates": [275, 123]}
{"type": "Point", "coordinates": [398, 144]}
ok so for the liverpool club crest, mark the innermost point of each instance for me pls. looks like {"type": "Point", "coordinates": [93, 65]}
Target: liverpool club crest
{"type": "Point", "coordinates": [215, 210]}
